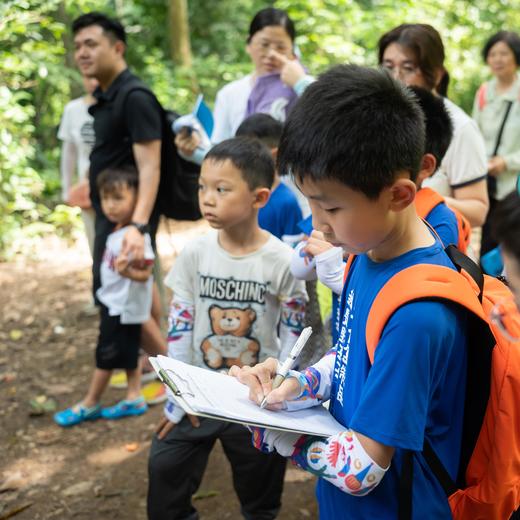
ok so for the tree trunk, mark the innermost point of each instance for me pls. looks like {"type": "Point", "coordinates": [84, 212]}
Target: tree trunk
{"type": "Point", "coordinates": [180, 48]}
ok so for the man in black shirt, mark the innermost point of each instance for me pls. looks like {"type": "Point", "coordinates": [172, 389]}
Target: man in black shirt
{"type": "Point", "coordinates": [128, 131]}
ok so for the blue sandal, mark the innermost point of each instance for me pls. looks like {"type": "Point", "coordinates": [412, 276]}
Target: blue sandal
{"type": "Point", "coordinates": [125, 409]}
{"type": "Point", "coordinates": [77, 414]}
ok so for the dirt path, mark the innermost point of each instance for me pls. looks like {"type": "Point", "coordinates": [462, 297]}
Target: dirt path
{"type": "Point", "coordinates": [96, 470]}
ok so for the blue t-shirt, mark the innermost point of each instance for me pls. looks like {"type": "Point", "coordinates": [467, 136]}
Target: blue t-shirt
{"type": "Point", "coordinates": [281, 214]}
{"type": "Point", "coordinates": [443, 220]}
{"type": "Point", "coordinates": [415, 389]}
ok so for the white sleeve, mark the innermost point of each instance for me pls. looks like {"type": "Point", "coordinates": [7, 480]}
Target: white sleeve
{"type": "Point", "coordinates": [303, 266]}
{"type": "Point", "coordinates": [65, 131]}
{"type": "Point", "coordinates": [330, 268]}
{"type": "Point", "coordinates": [465, 160]}
{"type": "Point", "coordinates": [181, 277]}
{"type": "Point", "coordinates": [68, 159]}
{"type": "Point", "coordinates": [222, 129]}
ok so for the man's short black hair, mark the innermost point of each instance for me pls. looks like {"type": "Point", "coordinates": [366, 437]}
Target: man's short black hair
{"type": "Point", "coordinates": [249, 156]}
{"type": "Point", "coordinates": [112, 27]}
{"type": "Point", "coordinates": [110, 180]}
{"type": "Point", "coordinates": [510, 38]}
{"type": "Point", "coordinates": [506, 223]}
{"type": "Point", "coordinates": [439, 128]}
{"type": "Point", "coordinates": [263, 127]}
{"type": "Point", "coordinates": [355, 125]}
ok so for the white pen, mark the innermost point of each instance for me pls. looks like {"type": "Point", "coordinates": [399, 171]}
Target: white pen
{"type": "Point", "coordinates": [284, 368]}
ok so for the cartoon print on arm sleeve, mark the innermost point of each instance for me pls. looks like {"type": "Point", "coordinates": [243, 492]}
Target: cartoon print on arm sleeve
{"type": "Point", "coordinates": [339, 459]}
{"type": "Point", "coordinates": [230, 344]}
{"type": "Point", "coordinates": [180, 330]}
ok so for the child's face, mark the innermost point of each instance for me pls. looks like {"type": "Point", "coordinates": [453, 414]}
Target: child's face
{"type": "Point", "coordinates": [225, 198]}
{"type": "Point", "coordinates": [349, 219]}
{"type": "Point", "coordinates": [118, 204]}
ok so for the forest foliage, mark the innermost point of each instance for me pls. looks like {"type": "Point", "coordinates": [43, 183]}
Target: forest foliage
{"type": "Point", "coordinates": [38, 77]}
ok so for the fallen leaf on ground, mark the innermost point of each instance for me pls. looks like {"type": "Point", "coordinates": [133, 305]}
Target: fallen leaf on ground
{"type": "Point", "coordinates": [41, 405]}
{"type": "Point", "coordinates": [77, 489]}
{"type": "Point", "coordinates": [13, 481]}
{"type": "Point", "coordinates": [131, 446]}
{"type": "Point", "coordinates": [205, 494]}
{"type": "Point", "coordinates": [15, 511]}
{"type": "Point", "coordinates": [15, 334]}
{"type": "Point", "coordinates": [8, 377]}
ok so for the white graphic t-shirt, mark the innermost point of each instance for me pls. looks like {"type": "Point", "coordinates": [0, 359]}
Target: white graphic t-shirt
{"type": "Point", "coordinates": [77, 126]}
{"type": "Point", "coordinates": [237, 300]}
{"type": "Point", "coordinates": [124, 297]}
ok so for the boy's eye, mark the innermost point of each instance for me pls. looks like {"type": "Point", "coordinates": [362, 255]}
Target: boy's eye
{"type": "Point", "coordinates": [220, 189]}
{"type": "Point", "coordinates": [201, 187]}
{"type": "Point", "coordinates": [331, 210]}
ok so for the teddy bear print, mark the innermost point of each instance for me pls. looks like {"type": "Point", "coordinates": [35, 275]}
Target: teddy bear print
{"type": "Point", "coordinates": [230, 343]}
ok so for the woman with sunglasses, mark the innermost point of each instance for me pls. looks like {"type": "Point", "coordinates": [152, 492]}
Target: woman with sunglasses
{"type": "Point", "coordinates": [414, 54]}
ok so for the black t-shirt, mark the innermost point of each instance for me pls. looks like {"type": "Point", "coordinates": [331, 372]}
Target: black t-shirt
{"type": "Point", "coordinates": [141, 121]}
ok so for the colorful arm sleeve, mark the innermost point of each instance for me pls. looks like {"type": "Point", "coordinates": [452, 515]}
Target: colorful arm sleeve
{"type": "Point", "coordinates": [315, 383]}
{"type": "Point", "coordinates": [180, 338]}
{"type": "Point", "coordinates": [339, 459]}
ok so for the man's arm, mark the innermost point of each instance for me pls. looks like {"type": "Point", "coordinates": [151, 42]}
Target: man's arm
{"type": "Point", "coordinates": [147, 156]}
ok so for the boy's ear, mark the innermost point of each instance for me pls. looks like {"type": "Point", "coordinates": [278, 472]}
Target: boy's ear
{"type": "Point", "coordinates": [261, 197]}
{"type": "Point", "coordinates": [274, 153]}
{"type": "Point", "coordinates": [402, 194]}
{"type": "Point", "coordinates": [428, 167]}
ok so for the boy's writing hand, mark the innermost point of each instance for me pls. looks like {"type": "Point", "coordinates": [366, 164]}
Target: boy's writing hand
{"type": "Point", "coordinates": [291, 70]}
{"type": "Point", "coordinates": [316, 244]}
{"type": "Point", "coordinates": [165, 425]}
{"type": "Point", "coordinates": [259, 379]}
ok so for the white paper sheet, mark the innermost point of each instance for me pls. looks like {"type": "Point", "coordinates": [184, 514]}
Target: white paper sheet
{"type": "Point", "coordinates": [217, 395]}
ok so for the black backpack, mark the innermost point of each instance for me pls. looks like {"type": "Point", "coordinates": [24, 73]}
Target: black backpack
{"type": "Point", "coordinates": [177, 196]}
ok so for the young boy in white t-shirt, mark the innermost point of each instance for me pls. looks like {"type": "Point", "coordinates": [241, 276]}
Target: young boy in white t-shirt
{"type": "Point", "coordinates": [234, 303]}
{"type": "Point", "coordinates": [125, 296]}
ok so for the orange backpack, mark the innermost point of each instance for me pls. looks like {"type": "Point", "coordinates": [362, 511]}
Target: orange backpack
{"type": "Point", "coordinates": [426, 199]}
{"type": "Point", "coordinates": [488, 484]}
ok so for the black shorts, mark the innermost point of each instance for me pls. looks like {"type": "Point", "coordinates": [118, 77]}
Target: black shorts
{"type": "Point", "coordinates": [118, 344]}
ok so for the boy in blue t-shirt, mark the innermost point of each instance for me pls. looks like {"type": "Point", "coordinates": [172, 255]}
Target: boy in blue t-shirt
{"type": "Point", "coordinates": [354, 143]}
{"type": "Point", "coordinates": [282, 213]}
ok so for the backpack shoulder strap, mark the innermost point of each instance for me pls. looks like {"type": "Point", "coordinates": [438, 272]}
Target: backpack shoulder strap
{"type": "Point", "coordinates": [133, 85]}
{"type": "Point", "coordinates": [425, 200]}
{"type": "Point", "coordinates": [418, 282]}
{"type": "Point", "coordinates": [348, 264]}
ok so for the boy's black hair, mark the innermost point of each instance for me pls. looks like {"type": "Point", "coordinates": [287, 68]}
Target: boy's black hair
{"type": "Point", "coordinates": [510, 38]}
{"type": "Point", "coordinates": [355, 125]}
{"type": "Point", "coordinates": [506, 223]}
{"type": "Point", "coordinates": [250, 156]}
{"type": "Point", "coordinates": [263, 127]}
{"type": "Point", "coordinates": [112, 27]}
{"type": "Point", "coordinates": [111, 179]}
{"type": "Point", "coordinates": [439, 128]}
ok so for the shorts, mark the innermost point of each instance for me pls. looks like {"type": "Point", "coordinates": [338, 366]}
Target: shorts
{"type": "Point", "coordinates": [118, 344]}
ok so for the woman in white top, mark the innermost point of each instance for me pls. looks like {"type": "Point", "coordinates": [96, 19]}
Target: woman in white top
{"type": "Point", "coordinates": [260, 91]}
{"type": "Point", "coordinates": [496, 101]}
{"type": "Point", "coordinates": [77, 134]}
{"type": "Point", "coordinates": [414, 54]}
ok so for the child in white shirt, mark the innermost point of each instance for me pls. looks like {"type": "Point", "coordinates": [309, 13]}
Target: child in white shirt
{"type": "Point", "coordinates": [126, 299]}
